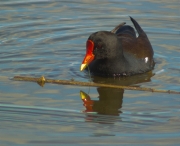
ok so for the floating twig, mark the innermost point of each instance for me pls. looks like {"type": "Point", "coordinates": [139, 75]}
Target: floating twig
{"type": "Point", "coordinates": [41, 81]}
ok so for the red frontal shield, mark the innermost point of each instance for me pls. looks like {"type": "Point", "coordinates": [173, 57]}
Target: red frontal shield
{"type": "Point", "coordinates": [89, 55]}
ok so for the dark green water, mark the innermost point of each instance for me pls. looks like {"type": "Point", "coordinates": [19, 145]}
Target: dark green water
{"type": "Point", "coordinates": [48, 38]}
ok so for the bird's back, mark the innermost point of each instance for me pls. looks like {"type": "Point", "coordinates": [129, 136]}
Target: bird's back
{"type": "Point", "coordinates": [136, 49]}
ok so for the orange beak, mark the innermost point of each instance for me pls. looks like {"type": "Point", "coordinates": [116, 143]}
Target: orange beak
{"type": "Point", "coordinates": [89, 55]}
{"type": "Point", "coordinates": [88, 103]}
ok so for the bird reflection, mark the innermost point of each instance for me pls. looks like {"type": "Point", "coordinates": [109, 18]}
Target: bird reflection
{"type": "Point", "coordinates": [109, 103]}
{"type": "Point", "coordinates": [111, 99]}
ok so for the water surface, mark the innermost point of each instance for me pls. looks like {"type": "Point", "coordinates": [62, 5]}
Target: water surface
{"type": "Point", "coordinates": [48, 38]}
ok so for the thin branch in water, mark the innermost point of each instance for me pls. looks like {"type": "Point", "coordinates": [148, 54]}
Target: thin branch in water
{"type": "Point", "coordinates": [69, 82]}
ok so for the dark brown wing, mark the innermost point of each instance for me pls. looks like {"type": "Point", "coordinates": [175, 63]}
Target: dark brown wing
{"type": "Point", "coordinates": [139, 46]}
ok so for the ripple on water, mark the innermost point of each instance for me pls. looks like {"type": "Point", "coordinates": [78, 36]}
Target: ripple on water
{"type": "Point", "coordinates": [48, 38]}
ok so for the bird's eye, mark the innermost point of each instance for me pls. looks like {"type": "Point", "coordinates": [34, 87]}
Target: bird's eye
{"type": "Point", "coordinates": [99, 45]}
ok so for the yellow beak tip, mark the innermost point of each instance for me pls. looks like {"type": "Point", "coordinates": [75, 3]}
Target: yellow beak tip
{"type": "Point", "coordinates": [83, 66]}
{"type": "Point", "coordinates": [83, 95]}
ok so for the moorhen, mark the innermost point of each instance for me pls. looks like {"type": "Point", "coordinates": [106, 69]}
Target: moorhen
{"type": "Point", "coordinates": [119, 52]}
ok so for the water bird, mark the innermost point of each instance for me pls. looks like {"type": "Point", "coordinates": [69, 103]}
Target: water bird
{"type": "Point", "coordinates": [123, 51]}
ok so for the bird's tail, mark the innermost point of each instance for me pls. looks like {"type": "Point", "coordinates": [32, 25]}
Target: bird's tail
{"type": "Point", "coordinates": [137, 26]}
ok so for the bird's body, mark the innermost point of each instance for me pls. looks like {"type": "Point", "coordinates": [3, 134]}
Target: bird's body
{"type": "Point", "coordinates": [119, 52]}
